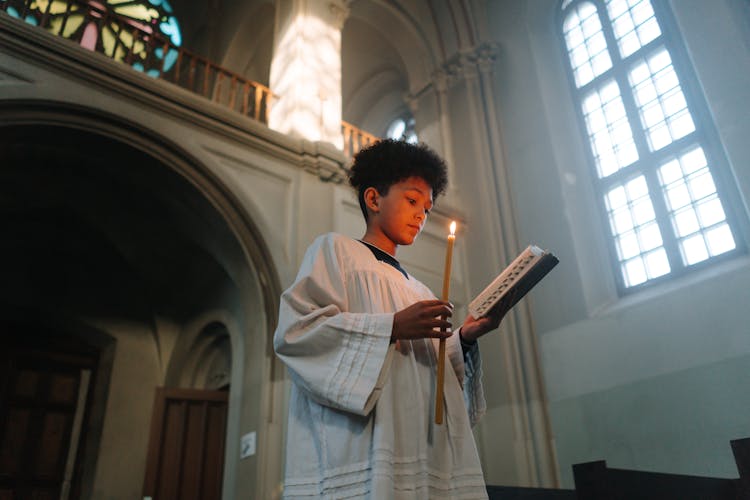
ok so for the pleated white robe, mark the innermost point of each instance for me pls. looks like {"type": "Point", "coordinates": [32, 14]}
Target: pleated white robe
{"type": "Point", "coordinates": [361, 410]}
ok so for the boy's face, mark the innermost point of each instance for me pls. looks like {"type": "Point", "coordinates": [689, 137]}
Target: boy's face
{"type": "Point", "coordinates": [403, 211]}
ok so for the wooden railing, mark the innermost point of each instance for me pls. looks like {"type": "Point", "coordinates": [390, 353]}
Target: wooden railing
{"type": "Point", "coordinates": [356, 139]}
{"type": "Point", "coordinates": [141, 46]}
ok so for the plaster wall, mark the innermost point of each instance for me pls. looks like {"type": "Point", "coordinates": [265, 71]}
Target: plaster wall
{"type": "Point", "coordinates": [653, 380]}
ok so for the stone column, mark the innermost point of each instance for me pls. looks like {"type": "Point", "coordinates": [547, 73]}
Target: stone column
{"type": "Point", "coordinates": [515, 438]}
{"type": "Point", "coordinates": [306, 69]}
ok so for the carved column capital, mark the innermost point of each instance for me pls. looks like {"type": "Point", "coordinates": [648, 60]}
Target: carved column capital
{"type": "Point", "coordinates": [486, 55]}
{"type": "Point", "coordinates": [340, 11]}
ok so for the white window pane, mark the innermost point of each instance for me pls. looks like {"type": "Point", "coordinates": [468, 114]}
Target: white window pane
{"type": "Point", "coordinates": [670, 172]}
{"type": "Point", "coordinates": [657, 263]}
{"type": "Point", "coordinates": [639, 73]}
{"type": "Point", "coordinates": [694, 249]}
{"type": "Point", "coordinates": [637, 188]}
{"type": "Point", "coordinates": [621, 133]}
{"type": "Point", "coordinates": [701, 185]}
{"type": "Point", "coordinates": [596, 122]}
{"type": "Point", "coordinates": [597, 44]}
{"type": "Point", "coordinates": [674, 103]}
{"type": "Point", "coordinates": [628, 246]}
{"type": "Point", "coordinates": [591, 26]}
{"type": "Point", "coordinates": [659, 137]}
{"type": "Point", "coordinates": [622, 222]}
{"type": "Point", "coordinates": [645, 94]}
{"type": "Point", "coordinates": [659, 61]}
{"type": "Point", "coordinates": [720, 240]}
{"type": "Point", "coordinates": [623, 26]}
{"type": "Point", "coordinates": [649, 236]}
{"type": "Point", "coordinates": [614, 110]}
{"type": "Point", "coordinates": [607, 164]}
{"type": "Point", "coordinates": [643, 211]}
{"type": "Point", "coordinates": [678, 196]}
{"type": "Point", "coordinates": [641, 12]}
{"type": "Point", "coordinates": [610, 91]}
{"type": "Point", "coordinates": [602, 143]}
{"type": "Point", "coordinates": [586, 9]}
{"type": "Point", "coordinates": [627, 155]}
{"type": "Point", "coordinates": [635, 272]}
{"type": "Point", "coordinates": [629, 44]}
{"type": "Point", "coordinates": [693, 160]}
{"type": "Point", "coordinates": [666, 81]}
{"type": "Point", "coordinates": [601, 63]}
{"type": "Point", "coordinates": [652, 115]}
{"type": "Point", "coordinates": [616, 198]}
{"type": "Point", "coordinates": [681, 125]}
{"type": "Point", "coordinates": [686, 222]}
{"type": "Point", "coordinates": [710, 212]}
{"type": "Point", "coordinates": [592, 104]}
{"type": "Point", "coordinates": [631, 154]}
{"type": "Point", "coordinates": [579, 56]}
{"type": "Point", "coordinates": [584, 75]}
{"type": "Point", "coordinates": [616, 8]}
{"type": "Point", "coordinates": [574, 38]}
{"type": "Point", "coordinates": [648, 31]}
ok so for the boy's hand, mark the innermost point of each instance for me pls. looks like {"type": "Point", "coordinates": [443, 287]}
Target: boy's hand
{"type": "Point", "coordinates": [419, 320]}
{"type": "Point", "coordinates": [473, 328]}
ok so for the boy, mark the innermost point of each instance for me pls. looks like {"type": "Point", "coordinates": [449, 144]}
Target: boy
{"type": "Point", "coordinates": [359, 336]}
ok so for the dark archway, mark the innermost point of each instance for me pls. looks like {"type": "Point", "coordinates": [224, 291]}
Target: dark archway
{"type": "Point", "coordinates": [111, 225]}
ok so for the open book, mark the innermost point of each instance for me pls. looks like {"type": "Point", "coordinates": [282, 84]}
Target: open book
{"type": "Point", "coordinates": [515, 281]}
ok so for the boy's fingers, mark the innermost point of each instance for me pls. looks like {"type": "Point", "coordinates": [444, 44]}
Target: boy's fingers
{"type": "Point", "coordinates": [435, 311]}
{"type": "Point", "coordinates": [440, 310]}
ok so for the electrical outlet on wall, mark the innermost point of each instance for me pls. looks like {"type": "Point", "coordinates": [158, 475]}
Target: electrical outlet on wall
{"type": "Point", "coordinates": [247, 445]}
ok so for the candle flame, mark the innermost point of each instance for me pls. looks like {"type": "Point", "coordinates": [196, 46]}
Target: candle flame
{"type": "Point", "coordinates": [453, 228]}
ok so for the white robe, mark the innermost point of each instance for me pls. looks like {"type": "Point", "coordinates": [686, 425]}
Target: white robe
{"type": "Point", "coordinates": [361, 411]}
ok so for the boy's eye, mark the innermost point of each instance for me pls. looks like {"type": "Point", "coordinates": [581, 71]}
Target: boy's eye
{"type": "Point", "coordinates": [412, 200]}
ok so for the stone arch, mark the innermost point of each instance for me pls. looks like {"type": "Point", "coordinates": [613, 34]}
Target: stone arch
{"type": "Point", "coordinates": [260, 280]}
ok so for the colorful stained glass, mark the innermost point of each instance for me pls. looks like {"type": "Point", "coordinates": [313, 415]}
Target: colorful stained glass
{"type": "Point", "coordinates": [142, 33]}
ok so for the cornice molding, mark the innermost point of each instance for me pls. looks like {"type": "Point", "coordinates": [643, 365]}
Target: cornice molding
{"type": "Point", "coordinates": [67, 59]}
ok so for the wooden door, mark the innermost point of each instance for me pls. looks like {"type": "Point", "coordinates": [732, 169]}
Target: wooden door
{"type": "Point", "coordinates": [186, 448]}
{"type": "Point", "coordinates": [42, 408]}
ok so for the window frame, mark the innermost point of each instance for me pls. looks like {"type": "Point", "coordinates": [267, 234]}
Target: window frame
{"type": "Point", "coordinates": [704, 136]}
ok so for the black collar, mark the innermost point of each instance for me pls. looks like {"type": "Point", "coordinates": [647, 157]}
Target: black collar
{"type": "Point", "coordinates": [385, 257]}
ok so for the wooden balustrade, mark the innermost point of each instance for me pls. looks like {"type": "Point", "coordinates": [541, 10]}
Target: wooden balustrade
{"type": "Point", "coordinates": [140, 46]}
{"type": "Point", "coordinates": [356, 139]}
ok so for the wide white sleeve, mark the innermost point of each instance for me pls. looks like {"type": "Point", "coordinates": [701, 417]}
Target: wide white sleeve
{"type": "Point", "coordinates": [339, 358]}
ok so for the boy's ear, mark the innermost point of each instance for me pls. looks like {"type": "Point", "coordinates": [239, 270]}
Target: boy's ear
{"type": "Point", "coordinates": [372, 198]}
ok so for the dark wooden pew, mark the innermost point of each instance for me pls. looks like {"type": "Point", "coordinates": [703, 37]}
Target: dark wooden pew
{"type": "Point", "coordinates": [596, 481]}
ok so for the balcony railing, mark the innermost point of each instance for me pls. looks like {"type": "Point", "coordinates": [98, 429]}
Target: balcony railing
{"type": "Point", "coordinates": [140, 45]}
{"type": "Point", "coordinates": [356, 139]}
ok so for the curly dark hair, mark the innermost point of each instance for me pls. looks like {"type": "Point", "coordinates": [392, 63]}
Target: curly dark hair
{"type": "Point", "coordinates": [389, 161]}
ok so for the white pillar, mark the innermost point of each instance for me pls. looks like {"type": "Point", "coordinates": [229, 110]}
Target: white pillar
{"type": "Point", "coordinates": [306, 69]}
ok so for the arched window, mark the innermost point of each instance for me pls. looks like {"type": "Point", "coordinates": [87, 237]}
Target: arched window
{"type": "Point", "coordinates": [402, 128]}
{"type": "Point", "coordinates": [658, 171]}
{"type": "Point", "coordinates": [119, 28]}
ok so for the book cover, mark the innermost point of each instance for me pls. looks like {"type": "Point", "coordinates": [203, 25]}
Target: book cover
{"type": "Point", "coordinates": [514, 281]}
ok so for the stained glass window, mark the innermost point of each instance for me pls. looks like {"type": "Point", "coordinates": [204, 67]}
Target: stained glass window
{"type": "Point", "coordinates": [141, 33]}
{"type": "Point", "coordinates": [403, 129]}
{"type": "Point", "coordinates": [655, 171]}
